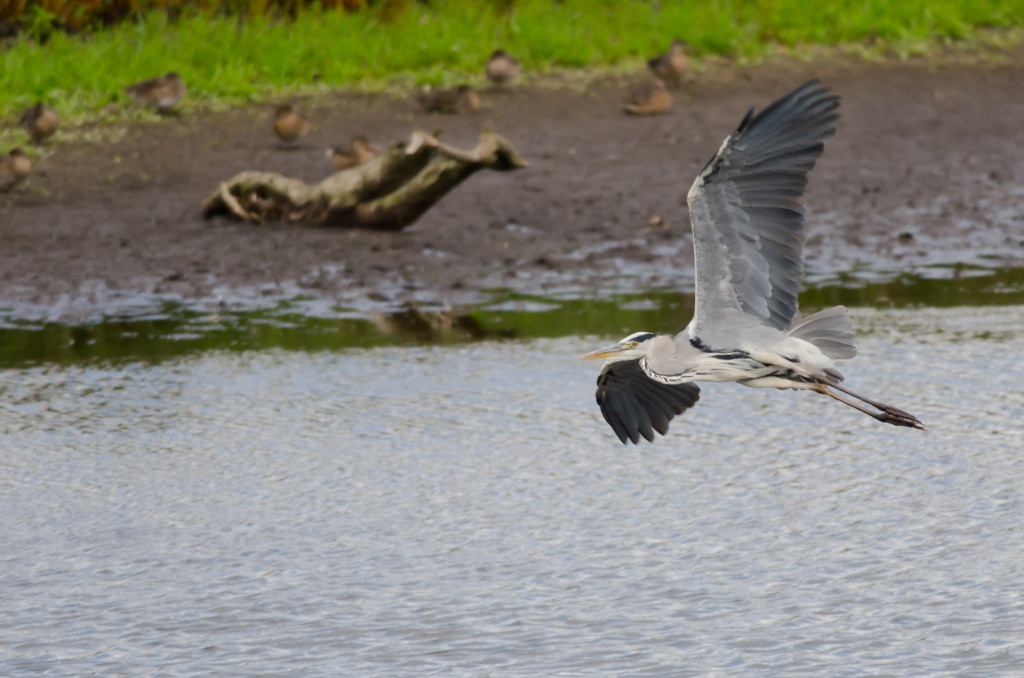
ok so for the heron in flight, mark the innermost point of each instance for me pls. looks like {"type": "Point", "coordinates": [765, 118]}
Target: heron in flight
{"type": "Point", "coordinates": [747, 215]}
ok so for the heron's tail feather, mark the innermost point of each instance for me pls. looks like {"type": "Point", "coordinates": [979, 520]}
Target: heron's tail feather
{"type": "Point", "coordinates": [830, 330]}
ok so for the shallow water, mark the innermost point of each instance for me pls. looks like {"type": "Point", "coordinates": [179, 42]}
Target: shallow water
{"type": "Point", "coordinates": [463, 510]}
{"type": "Point", "coordinates": [312, 324]}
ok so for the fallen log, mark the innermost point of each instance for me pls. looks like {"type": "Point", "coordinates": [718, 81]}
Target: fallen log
{"type": "Point", "coordinates": [388, 192]}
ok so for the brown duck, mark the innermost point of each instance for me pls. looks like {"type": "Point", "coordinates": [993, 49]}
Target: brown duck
{"type": "Point", "coordinates": [289, 124]}
{"type": "Point", "coordinates": [40, 121]}
{"type": "Point", "coordinates": [502, 68]}
{"type": "Point", "coordinates": [651, 99]}
{"type": "Point", "coordinates": [14, 169]}
{"type": "Point", "coordinates": [458, 100]}
{"type": "Point", "coordinates": [162, 93]}
{"type": "Point", "coordinates": [671, 67]}
{"type": "Point", "coordinates": [356, 153]}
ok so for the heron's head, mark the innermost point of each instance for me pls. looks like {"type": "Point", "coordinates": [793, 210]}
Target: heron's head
{"type": "Point", "coordinates": [633, 347]}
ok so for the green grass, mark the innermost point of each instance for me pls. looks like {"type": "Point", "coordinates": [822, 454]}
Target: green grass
{"type": "Point", "coordinates": [226, 61]}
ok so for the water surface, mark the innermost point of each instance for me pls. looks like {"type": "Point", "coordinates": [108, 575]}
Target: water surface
{"type": "Point", "coordinates": [311, 324]}
{"type": "Point", "coordinates": [462, 510]}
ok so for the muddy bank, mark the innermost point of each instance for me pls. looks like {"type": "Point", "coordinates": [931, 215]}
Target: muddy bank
{"type": "Point", "coordinates": [927, 169]}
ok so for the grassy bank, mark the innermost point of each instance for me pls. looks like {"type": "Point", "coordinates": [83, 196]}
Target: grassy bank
{"type": "Point", "coordinates": [226, 60]}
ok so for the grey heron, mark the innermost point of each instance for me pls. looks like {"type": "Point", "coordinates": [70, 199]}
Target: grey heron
{"type": "Point", "coordinates": [747, 216]}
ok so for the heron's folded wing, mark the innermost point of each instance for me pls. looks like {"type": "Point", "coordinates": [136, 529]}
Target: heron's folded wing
{"type": "Point", "coordinates": [635, 405]}
{"type": "Point", "coordinates": [747, 211]}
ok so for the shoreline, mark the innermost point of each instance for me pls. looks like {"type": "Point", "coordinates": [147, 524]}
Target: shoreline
{"type": "Point", "coordinates": [922, 173]}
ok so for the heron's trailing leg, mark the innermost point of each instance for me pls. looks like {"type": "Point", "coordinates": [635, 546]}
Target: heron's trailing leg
{"type": "Point", "coordinates": [882, 406]}
{"type": "Point", "coordinates": [887, 414]}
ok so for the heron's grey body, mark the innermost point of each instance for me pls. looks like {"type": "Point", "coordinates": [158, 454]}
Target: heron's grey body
{"type": "Point", "coordinates": [747, 215]}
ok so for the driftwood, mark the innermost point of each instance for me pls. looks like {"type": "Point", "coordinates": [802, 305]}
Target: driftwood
{"type": "Point", "coordinates": [388, 192]}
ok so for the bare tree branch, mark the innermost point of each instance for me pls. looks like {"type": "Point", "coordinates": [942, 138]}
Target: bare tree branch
{"type": "Point", "coordinates": [388, 192]}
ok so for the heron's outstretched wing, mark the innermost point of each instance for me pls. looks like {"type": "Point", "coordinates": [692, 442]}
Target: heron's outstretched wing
{"type": "Point", "coordinates": [635, 405]}
{"type": "Point", "coordinates": [747, 212]}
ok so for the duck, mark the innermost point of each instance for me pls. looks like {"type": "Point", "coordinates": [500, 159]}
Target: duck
{"type": "Point", "coordinates": [40, 121]}
{"type": "Point", "coordinates": [461, 99]}
{"type": "Point", "coordinates": [502, 68]}
{"type": "Point", "coordinates": [289, 124]}
{"type": "Point", "coordinates": [652, 99]}
{"type": "Point", "coordinates": [671, 67]}
{"type": "Point", "coordinates": [356, 153]}
{"type": "Point", "coordinates": [162, 93]}
{"type": "Point", "coordinates": [14, 169]}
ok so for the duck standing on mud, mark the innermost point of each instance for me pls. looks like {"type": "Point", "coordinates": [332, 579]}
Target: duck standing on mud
{"type": "Point", "coordinates": [40, 121]}
{"type": "Point", "coordinates": [671, 67]}
{"type": "Point", "coordinates": [14, 169]}
{"type": "Point", "coordinates": [162, 93]}
{"type": "Point", "coordinates": [456, 101]}
{"type": "Point", "coordinates": [502, 68]}
{"type": "Point", "coordinates": [651, 99]}
{"type": "Point", "coordinates": [289, 124]}
{"type": "Point", "coordinates": [356, 153]}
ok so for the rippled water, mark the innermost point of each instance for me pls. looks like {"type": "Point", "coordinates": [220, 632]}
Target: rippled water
{"type": "Point", "coordinates": [464, 511]}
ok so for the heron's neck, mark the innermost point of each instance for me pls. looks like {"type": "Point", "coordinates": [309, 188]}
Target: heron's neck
{"type": "Point", "coordinates": [681, 378]}
{"type": "Point", "coordinates": [669, 361]}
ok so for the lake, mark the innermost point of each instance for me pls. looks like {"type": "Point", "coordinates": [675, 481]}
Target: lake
{"type": "Point", "coordinates": [239, 496]}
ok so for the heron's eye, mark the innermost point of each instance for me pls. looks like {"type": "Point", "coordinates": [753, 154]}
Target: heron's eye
{"type": "Point", "coordinates": [635, 344]}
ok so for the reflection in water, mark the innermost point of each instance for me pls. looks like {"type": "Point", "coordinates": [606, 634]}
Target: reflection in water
{"type": "Point", "coordinates": [177, 331]}
{"type": "Point", "coordinates": [461, 510]}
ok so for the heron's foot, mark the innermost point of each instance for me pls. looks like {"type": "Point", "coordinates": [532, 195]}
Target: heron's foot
{"type": "Point", "coordinates": [897, 417]}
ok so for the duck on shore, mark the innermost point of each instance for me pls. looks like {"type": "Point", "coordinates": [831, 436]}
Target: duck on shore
{"type": "Point", "coordinates": [162, 93]}
{"type": "Point", "coordinates": [671, 67]}
{"type": "Point", "coordinates": [14, 169]}
{"type": "Point", "coordinates": [502, 68]}
{"type": "Point", "coordinates": [289, 124]}
{"type": "Point", "coordinates": [650, 99]}
{"type": "Point", "coordinates": [40, 121]}
{"type": "Point", "coordinates": [456, 101]}
{"type": "Point", "coordinates": [356, 153]}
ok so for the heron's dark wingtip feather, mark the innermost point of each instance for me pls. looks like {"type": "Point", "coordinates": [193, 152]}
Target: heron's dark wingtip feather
{"type": "Point", "coordinates": [614, 422]}
{"type": "Point", "coordinates": [634, 405]}
{"type": "Point", "coordinates": [810, 91]}
{"type": "Point", "coordinates": [619, 412]}
{"type": "Point", "coordinates": [745, 122]}
{"type": "Point", "coordinates": [812, 103]}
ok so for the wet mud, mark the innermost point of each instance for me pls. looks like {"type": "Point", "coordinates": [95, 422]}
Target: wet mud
{"type": "Point", "coordinates": [927, 170]}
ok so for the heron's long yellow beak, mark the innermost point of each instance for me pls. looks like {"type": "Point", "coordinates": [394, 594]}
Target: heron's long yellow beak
{"type": "Point", "coordinates": [605, 352]}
